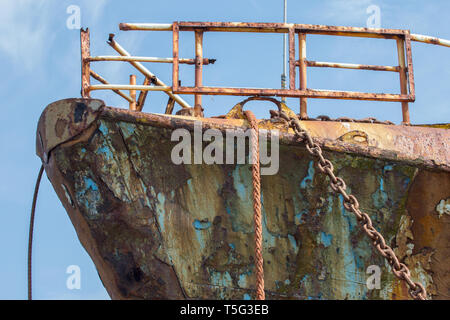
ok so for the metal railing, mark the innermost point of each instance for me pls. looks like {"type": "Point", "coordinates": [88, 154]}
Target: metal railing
{"type": "Point", "coordinates": [403, 39]}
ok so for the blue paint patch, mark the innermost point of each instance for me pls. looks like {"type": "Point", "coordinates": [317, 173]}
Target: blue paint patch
{"type": "Point", "coordinates": [88, 194]}
{"type": "Point", "coordinates": [406, 182]}
{"type": "Point", "coordinates": [127, 129]}
{"type": "Point", "coordinates": [299, 216]}
{"type": "Point", "coordinates": [309, 177]}
{"type": "Point", "coordinates": [222, 279]}
{"type": "Point", "coordinates": [160, 211]}
{"type": "Point", "coordinates": [247, 296]}
{"type": "Point", "coordinates": [326, 239]}
{"type": "Point", "coordinates": [189, 183]}
{"type": "Point", "coordinates": [351, 220]}
{"type": "Point", "coordinates": [242, 282]}
{"type": "Point", "coordinates": [201, 225]}
{"type": "Point", "coordinates": [104, 129]}
{"type": "Point", "coordinates": [380, 197]}
{"type": "Point", "coordinates": [304, 279]}
{"type": "Point", "coordinates": [200, 238]}
{"type": "Point", "coordinates": [240, 184]}
{"type": "Point", "coordinates": [232, 246]}
{"type": "Point", "coordinates": [90, 184]}
{"type": "Point", "coordinates": [105, 151]}
{"type": "Point", "coordinates": [293, 242]}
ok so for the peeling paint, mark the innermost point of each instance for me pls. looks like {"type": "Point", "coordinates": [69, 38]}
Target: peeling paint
{"type": "Point", "coordinates": [443, 207]}
{"type": "Point", "coordinates": [188, 230]}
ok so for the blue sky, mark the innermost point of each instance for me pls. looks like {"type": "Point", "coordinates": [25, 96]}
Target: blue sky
{"type": "Point", "coordinates": [40, 63]}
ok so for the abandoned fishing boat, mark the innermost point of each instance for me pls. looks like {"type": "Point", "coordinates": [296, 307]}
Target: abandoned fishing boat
{"type": "Point", "coordinates": [156, 229]}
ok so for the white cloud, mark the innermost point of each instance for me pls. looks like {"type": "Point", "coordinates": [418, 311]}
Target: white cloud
{"type": "Point", "coordinates": [95, 8]}
{"type": "Point", "coordinates": [347, 11]}
{"type": "Point", "coordinates": [25, 32]}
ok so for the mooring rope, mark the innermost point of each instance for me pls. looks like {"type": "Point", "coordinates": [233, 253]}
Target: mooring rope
{"type": "Point", "coordinates": [259, 263]}
{"type": "Point", "coordinates": [30, 234]}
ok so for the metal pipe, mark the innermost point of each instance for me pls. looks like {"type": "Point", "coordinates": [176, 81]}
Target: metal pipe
{"type": "Point", "coordinates": [102, 80]}
{"type": "Point", "coordinates": [198, 70]}
{"type": "Point", "coordinates": [147, 59]}
{"type": "Point", "coordinates": [409, 66]}
{"type": "Point", "coordinates": [430, 40]}
{"type": "Point", "coordinates": [146, 26]}
{"type": "Point", "coordinates": [146, 72]}
{"type": "Point", "coordinates": [321, 64]}
{"type": "Point", "coordinates": [403, 83]}
{"type": "Point", "coordinates": [291, 59]}
{"type": "Point", "coordinates": [133, 92]}
{"type": "Point", "coordinates": [302, 73]}
{"type": "Point", "coordinates": [143, 95]}
{"type": "Point", "coordinates": [85, 66]}
{"type": "Point", "coordinates": [283, 75]}
{"type": "Point", "coordinates": [175, 54]}
{"type": "Point", "coordinates": [284, 39]}
{"type": "Point", "coordinates": [129, 87]}
{"type": "Point", "coordinates": [307, 93]}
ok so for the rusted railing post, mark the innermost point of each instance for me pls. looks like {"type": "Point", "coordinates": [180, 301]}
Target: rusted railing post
{"type": "Point", "coordinates": [403, 78]}
{"type": "Point", "coordinates": [409, 67]}
{"type": "Point", "coordinates": [198, 70]}
{"type": "Point", "coordinates": [85, 65]}
{"type": "Point", "coordinates": [133, 92]}
{"type": "Point", "coordinates": [142, 95]}
{"type": "Point", "coordinates": [292, 63]}
{"type": "Point", "coordinates": [302, 67]}
{"type": "Point", "coordinates": [175, 66]}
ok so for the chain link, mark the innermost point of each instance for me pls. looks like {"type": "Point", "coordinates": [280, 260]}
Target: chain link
{"type": "Point", "coordinates": [337, 184]}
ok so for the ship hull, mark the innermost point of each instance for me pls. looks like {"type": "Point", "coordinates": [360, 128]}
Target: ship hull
{"type": "Point", "coordinates": [158, 230]}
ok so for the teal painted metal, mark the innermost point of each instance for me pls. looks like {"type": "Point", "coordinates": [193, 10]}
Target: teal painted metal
{"type": "Point", "coordinates": [160, 230]}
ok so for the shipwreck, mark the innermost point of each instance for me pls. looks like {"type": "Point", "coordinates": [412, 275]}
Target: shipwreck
{"type": "Point", "coordinates": [348, 195]}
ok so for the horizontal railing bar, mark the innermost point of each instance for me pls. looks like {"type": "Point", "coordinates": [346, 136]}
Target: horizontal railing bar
{"type": "Point", "coordinates": [128, 87]}
{"type": "Point", "coordinates": [267, 27]}
{"type": "Point", "coordinates": [321, 64]}
{"type": "Point", "coordinates": [147, 59]}
{"type": "Point", "coordinates": [309, 93]}
{"type": "Point", "coordinates": [430, 40]}
{"type": "Point", "coordinates": [99, 78]}
{"type": "Point", "coordinates": [146, 26]}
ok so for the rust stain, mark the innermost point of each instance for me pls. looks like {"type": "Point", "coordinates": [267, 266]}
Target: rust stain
{"type": "Point", "coordinates": [156, 230]}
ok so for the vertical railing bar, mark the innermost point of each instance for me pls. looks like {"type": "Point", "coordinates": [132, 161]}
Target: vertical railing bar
{"type": "Point", "coordinates": [411, 85]}
{"type": "Point", "coordinates": [198, 71]}
{"type": "Point", "coordinates": [142, 95]}
{"type": "Point", "coordinates": [403, 81]}
{"type": "Point", "coordinates": [292, 59]}
{"type": "Point", "coordinates": [302, 73]}
{"type": "Point", "coordinates": [132, 105]}
{"type": "Point", "coordinates": [175, 65]}
{"type": "Point", "coordinates": [85, 64]}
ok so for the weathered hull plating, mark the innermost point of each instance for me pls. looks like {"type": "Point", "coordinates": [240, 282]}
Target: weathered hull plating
{"type": "Point", "coordinates": [156, 230]}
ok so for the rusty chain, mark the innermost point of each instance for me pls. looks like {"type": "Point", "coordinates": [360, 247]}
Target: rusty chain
{"type": "Point", "coordinates": [337, 184]}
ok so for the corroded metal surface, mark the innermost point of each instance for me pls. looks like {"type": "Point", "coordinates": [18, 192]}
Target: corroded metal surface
{"type": "Point", "coordinates": [63, 120]}
{"type": "Point", "coordinates": [159, 230]}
